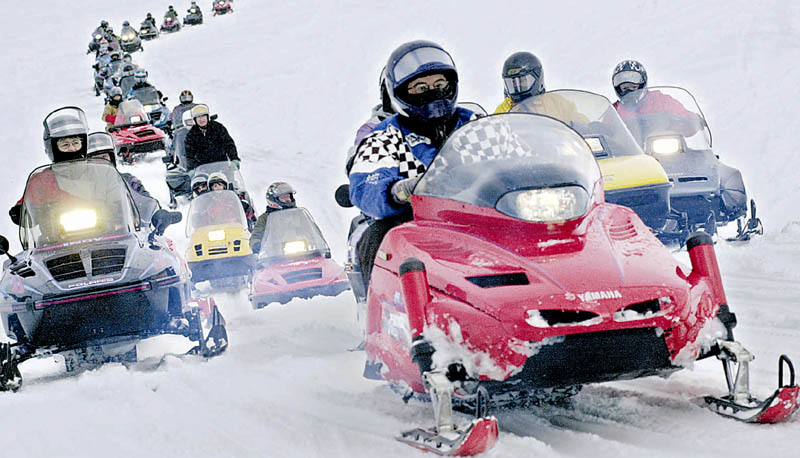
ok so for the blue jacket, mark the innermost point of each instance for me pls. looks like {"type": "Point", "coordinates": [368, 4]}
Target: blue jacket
{"type": "Point", "coordinates": [391, 152]}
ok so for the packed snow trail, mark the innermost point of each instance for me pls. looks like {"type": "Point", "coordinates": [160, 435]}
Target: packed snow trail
{"type": "Point", "coordinates": [292, 82]}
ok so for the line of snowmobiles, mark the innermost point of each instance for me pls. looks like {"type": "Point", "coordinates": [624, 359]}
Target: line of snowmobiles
{"type": "Point", "coordinates": [517, 282]}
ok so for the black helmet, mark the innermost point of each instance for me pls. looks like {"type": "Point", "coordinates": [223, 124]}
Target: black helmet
{"type": "Point", "coordinates": [149, 16]}
{"type": "Point", "coordinates": [278, 189]}
{"type": "Point", "coordinates": [186, 96]}
{"type": "Point", "coordinates": [170, 8]}
{"type": "Point", "coordinates": [63, 123]}
{"type": "Point", "coordinates": [629, 71]}
{"type": "Point", "coordinates": [126, 24]}
{"type": "Point", "coordinates": [523, 76]}
{"type": "Point", "coordinates": [101, 143]}
{"type": "Point", "coordinates": [115, 55]}
{"type": "Point", "coordinates": [104, 24]}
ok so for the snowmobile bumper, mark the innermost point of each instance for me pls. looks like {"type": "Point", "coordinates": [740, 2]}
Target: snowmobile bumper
{"type": "Point", "coordinates": [221, 268]}
{"type": "Point", "coordinates": [262, 300]}
{"type": "Point", "coordinates": [650, 202]}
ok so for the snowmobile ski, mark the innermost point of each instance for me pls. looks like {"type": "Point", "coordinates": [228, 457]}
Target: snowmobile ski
{"type": "Point", "coordinates": [10, 377]}
{"type": "Point", "coordinates": [446, 438]}
{"type": "Point", "coordinates": [739, 404]}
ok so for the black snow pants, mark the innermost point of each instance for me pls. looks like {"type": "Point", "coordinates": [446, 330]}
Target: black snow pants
{"type": "Point", "coordinates": [367, 246]}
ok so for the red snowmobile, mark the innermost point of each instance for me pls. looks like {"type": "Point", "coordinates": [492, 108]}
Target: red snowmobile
{"type": "Point", "coordinates": [294, 261]}
{"type": "Point", "coordinates": [133, 133]}
{"type": "Point", "coordinates": [517, 282]}
{"type": "Point", "coordinates": [222, 7]}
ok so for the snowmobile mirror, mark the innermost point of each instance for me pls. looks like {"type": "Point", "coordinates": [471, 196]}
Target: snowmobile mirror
{"type": "Point", "coordinates": [342, 196]}
{"type": "Point", "coordinates": [165, 99]}
{"type": "Point", "coordinates": [213, 117]}
{"type": "Point", "coordinates": [166, 159]}
{"type": "Point", "coordinates": [163, 219]}
{"type": "Point", "coordinates": [4, 249]}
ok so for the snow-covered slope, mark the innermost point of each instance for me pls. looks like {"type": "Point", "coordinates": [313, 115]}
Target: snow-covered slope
{"type": "Point", "coordinates": [292, 81]}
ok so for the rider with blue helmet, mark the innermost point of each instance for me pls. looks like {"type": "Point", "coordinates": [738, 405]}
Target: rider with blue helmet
{"type": "Point", "coordinates": [422, 85]}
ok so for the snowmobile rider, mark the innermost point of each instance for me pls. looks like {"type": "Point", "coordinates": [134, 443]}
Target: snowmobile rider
{"type": "Point", "coordinates": [112, 107]}
{"type": "Point", "coordinates": [199, 184]}
{"type": "Point", "coordinates": [171, 13]}
{"type": "Point", "coordinates": [150, 21]}
{"type": "Point", "coordinates": [65, 138]}
{"type": "Point", "coordinates": [140, 78]}
{"type": "Point", "coordinates": [186, 103]}
{"type": "Point", "coordinates": [208, 141]}
{"type": "Point", "coordinates": [523, 77]}
{"type": "Point", "coordinates": [523, 80]}
{"type": "Point", "coordinates": [630, 83]}
{"type": "Point", "coordinates": [101, 146]}
{"type": "Point", "coordinates": [422, 84]}
{"type": "Point", "coordinates": [217, 181]}
{"type": "Point", "coordinates": [280, 195]}
{"type": "Point", "coordinates": [196, 9]}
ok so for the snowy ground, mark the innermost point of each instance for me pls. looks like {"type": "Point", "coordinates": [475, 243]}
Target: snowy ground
{"type": "Point", "coordinates": [292, 81]}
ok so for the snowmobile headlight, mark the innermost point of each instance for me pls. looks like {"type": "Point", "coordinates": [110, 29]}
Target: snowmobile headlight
{"type": "Point", "coordinates": [98, 37]}
{"type": "Point", "coordinates": [144, 30]}
{"type": "Point", "coordinates": [192, 10]}
{"type": "Point", "coordinates": [594, 144]}
{"type": "Point", "coordinates": [547, 205]}
{"type": "Point", "coordinates": [78, 220]}
{"type": "Point", "coordinates": [216, 236]}
{"type": "Point", "coordinates": [294, 247]}
{"type": "Point", "coordinates": [151, 107]}
{"type": "Point", "coordinates": [665, 145]}
{"type": "Point", "coordinates": [136, 119]}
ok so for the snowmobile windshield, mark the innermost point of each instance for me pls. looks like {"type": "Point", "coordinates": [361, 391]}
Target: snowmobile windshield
{"type": "Point", "coordinates": [74, 201]}
{"type": "Point", "coordinates": [665, 120]}
{"type": "Point", "coordinates": [215, 208]}
{"type": "Point", "coordinates": [131, 113]}
{"type": "Point", "coordinates": [527, 166]}
{"type": "Point", "coordinates": [291, 234]}
{"type": "Point", "coordinates": [231, 173]}
{"type": "Point", "coordinates": [149, 98]}
{"type": "Point", "coordinates": [126, 83]}
{"type": "Point", "coordinates": [591, 115]}
{"type": "Point", "coordinates": [128, 33]}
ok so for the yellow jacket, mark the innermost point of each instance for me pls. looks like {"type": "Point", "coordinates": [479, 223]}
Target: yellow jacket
{"type": "Point", "coordinates": [550, 104]}
{"type": "Point", "coordinates": [110, 110]}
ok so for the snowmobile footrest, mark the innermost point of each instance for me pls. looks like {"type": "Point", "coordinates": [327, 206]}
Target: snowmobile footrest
{"type": "Point", "coordinates": [477, 437]}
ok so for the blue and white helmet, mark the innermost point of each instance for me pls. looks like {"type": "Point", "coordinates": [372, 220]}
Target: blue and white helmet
{"type": "Point", "coordinates": [628, 71]}
{"type": "Point", "coordinates": [411, 61]}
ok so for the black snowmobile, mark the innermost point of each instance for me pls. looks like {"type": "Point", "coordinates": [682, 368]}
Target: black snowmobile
{"type": "Point", "coordinates": [91, 280]}
{"type": "Point", "coordinates": [148, 30]}
{"type": "Point", "coordinates": [706, 193]}
{"type": "Point", "coordinates": [129, 39]}
{"type": "Point", "coordinates": [194, 16]}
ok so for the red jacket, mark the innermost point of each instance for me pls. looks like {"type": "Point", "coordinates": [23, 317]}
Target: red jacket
{"type": "Point", "coordinates": [653, 102]}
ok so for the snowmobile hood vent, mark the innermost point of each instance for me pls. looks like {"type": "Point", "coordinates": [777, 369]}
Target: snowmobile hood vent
{"type": "Point", "coordinates": [641, 310]}
{"type": "Point", "coordinates": [622, 231]}
{"type": "Point", "coordinates": [107, 261]}
{"type": "Point", "coordinates": [550, 318]}
{"type": "Point", "coordinates": [491, 281]}
{"type": "Point", "coordinates": [67, 267]}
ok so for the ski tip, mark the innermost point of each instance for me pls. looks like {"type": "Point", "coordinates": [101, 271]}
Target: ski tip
{"type": "Point", "coordinates": [784, 404]}
{"type": "Point", "coordinates": [482, 436]}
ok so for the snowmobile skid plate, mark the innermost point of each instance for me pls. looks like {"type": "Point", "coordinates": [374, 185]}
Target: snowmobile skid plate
{"type": "Point", "coordinates": [477, 437]}
{"type": "Point", "coordinates": [740, 405]}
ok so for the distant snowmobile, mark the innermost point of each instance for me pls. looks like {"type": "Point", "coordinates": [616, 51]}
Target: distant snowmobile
{"type": "Point", "coordinates": [708, 193]}
{"type": "Point", "coordinates": [222, 7]}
